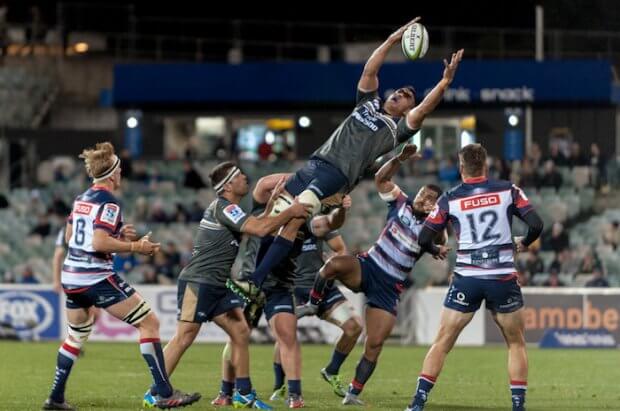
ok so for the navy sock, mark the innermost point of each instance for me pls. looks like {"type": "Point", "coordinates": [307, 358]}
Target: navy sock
{"type": "Point", "coordinates": [363, 371]}
{"type": "Point", "coordinates": [154, 357]}
{"type": "Point", "coordinates": [294, 387]}
{"type": "Point", "coordinates": [244, 385]}
{"type": "Point", "coordinates": [277, 251]}
{"type": "Point", "coordinates": [424, 387]}
{"type": "Point", "coordinates": [334, 365]}
{"type": "Point", "coordinates": [227, 387]}
{"type": "Point", "coordinates": [518, 390]}
{"type": "Point", "coordinates": [279, 375]}
{"type": "Point", "coordinates": [67, 355]}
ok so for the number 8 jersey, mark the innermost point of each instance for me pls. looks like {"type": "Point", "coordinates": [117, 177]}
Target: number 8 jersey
{"type": "Point", "coordinates": [95, 209]}
{"type": "Point", "coordinates": [481, 212]}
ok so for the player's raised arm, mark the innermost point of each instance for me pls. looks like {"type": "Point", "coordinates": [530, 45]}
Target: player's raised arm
{"type": "Point", "coordinates": [383, 177]}
{"type": "Point", "coordinates": [416, 116]}
{"type": "Point", "coordinates": [370, 80]}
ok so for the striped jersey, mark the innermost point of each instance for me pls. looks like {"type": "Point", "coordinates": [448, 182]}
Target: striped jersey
{"type": "Point", "coordinates": [481, 212]}
{"type": "Point", "coordinates": [397, 249]}
{"type": "Point", "coordinates": [96, 208]}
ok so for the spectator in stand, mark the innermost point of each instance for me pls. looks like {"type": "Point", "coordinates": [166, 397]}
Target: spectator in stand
{"type": "Point", "coordinates": [125, 263]}
{"type": "Point", "coordinates": [553, 280]}
{"type": "Point", "coordinates": [577, 158]}
{"type": "Point", "coordinates": [598, 162]}
{"type": "Point", "coordinates": [149, 276]}
{"type": "Point", "coordinates": [264, 151]}
{"type": "Point", "coordinates": [528, 176]}
{"type": "Point", "coordinates": [140, 173]}
{"type": "Point", "coordinates": [158, 214]}
{"type": "Point", "coordinates": [4, 202]}
{"type": "Point", "coordinates": [590, 263]}
{"type": "Point", "coordinates": [551, 177]}
{"type": "Point", "coordinates": [28, 276]}
{"type": "Point", "coordinates": [180, 214]}
{"type": "Point", "coordinates": [192, 178]}
{"type": "Point", "coordinates": [43, 227]}
{"type": "Point", "coordinates": [162, 266]}
{"type": "Point", "coordinates": [195, 212]}
{"type": "Point", "coordinates": [448, 171]}
{"type": "Point", "coordinates": [126, 161]}
{"type": "Point", "coordinates": [611, 235]}
{"type": "Point", "coordinates": [556, 156]}
{"type": "Point", "coordinates": [598, 279]}
{"type": "Point", "coordinates": [8, 277]}
{"type": "Point", "coordinates": [558, 240]}
{"type": "Point", "coordinates": [173, 258]}
{"type": "Point", "coordinates": [220, 150]}
{"type": "Point", "coordinates": [59, 207]}
{"type": "Point", "coordinates": [533, 265]}
{"type": "Point", "coordinates": [499, 170]}
{"type": "Point", "coordinates": [535, 156]}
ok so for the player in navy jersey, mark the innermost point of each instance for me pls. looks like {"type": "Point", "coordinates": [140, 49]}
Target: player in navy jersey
{"type": "Point", "coordinates": [374, 128]}
{"type": "Point", "coordinates": [95, 229]}
{"type": "Point", "coordinates": [381, 273]}
{"type": "Point", "coordinates": [480, 212]}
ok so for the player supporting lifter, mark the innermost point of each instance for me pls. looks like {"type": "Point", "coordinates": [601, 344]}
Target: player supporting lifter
{"type": "Point", "coordinates": [202, 292]}
{"type": "Point", "coordinates": [373, 128]}
{"type": "Point", "coordinates": [94, 231]}
{"type": "Point", "coordinates": [480, 211]}
{"type": "Point", "coordinates": [334, 308]}
{"type": "Point", "coordinates": [381, 272]}
{"type": "Point", "coordinates": [279, 299]}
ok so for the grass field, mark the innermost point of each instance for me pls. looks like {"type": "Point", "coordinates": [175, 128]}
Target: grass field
{"type": "Point", "coordinates": [114, 377]}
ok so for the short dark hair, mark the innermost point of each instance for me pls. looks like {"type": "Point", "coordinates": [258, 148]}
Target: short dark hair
{"type": "Point", "coordinates": [474, 158]}
{"type": "Point", "coordinates": [219, 172]}
{"type": "Point", "coordinates": [435, 188]}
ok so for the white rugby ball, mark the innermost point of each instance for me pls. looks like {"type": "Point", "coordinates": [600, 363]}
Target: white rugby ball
{"type": "Point", "coordinates": [415, 41]}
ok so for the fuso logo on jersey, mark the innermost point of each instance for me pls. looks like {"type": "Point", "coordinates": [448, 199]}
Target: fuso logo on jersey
{"type": "Point", "coordinates": [480, 201]}
{"type": "Point", "coordinates": [234, 213]}
{"type": "Point", "coordinates": [83, 208]}
{"type": "Point", "coordinates": [109, 215]}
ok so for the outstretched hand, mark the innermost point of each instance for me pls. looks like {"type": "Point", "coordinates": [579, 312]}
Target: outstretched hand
{"type": "Point", "coordinates": [398, 34]}
{"type": "Point", "coordinates": [450, 68]}
{"type": "Point", "coordinates": [409, 151]}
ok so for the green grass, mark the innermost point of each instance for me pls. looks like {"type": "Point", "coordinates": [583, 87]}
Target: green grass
{"type": "Point", "coordinates": [114, 377]}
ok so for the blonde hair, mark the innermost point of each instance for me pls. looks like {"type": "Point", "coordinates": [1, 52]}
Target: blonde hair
{"type": "Point", "coordinates": [99, 159]}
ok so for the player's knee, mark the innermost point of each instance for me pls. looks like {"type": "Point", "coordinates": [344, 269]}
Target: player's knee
{"type": "Point", "coordinates": [80, 332]}
{"type": "Point", "coordinates": [241, 333]}
{"type": "Point", "coordinates": [330, 268]}
{"type": "Point", "coordinates": [310, 197]}
{"type": "Point", "coordinates": [352, 328]}
{"type": "Point", "coordinates": [287, 338]}
{"type": "Point", "coordinates": [373, 346]}
{"type": "Point", "coordinates": [141, 316]}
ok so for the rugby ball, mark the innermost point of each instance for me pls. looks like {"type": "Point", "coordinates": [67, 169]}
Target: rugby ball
{"type": "Point", "coordinates": [415, 41]}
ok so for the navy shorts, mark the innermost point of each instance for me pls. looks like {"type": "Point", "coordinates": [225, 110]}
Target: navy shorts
{"type": "Point", "coordinates": [323, 178]}
{"type": "Point", "coordinates": [466, 294]}
{"type": "Point", "coordinates": [381, 289]}
{"type": "Point", "coordinates": [199, 302]}
{"type": "Point", "coordinates": [278, 301]}
{"type": "Point", "coordinates": [333, 296]}
{"type": "Point", "coordinates": [105, 293]}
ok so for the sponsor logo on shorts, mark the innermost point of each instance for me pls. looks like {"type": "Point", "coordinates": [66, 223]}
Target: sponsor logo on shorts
{"type": "Point", "coordinates": [460, 299]}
